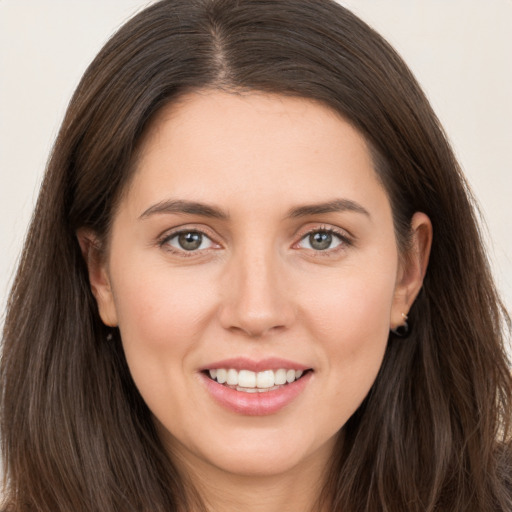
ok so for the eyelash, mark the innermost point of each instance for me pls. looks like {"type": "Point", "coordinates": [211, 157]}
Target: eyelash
{"type": "Point", "coordinates": [163, 242]}
{"type": "Point", "coordinates": [344, 239]}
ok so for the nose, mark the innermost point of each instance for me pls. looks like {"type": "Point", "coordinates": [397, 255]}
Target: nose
{"type": "Point", "coordinates": [256, 298]}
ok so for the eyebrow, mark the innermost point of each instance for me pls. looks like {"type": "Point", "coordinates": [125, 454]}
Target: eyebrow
{"type": "Point", "coordinates": [334, 206]}
{"type": "Point", "coordinates": [187, 207]}
{"type": "Point", "coordinates": [204, 210]}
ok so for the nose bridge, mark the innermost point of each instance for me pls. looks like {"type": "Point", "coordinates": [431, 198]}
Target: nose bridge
{"type": "Point", "coordinates": [256, 300]}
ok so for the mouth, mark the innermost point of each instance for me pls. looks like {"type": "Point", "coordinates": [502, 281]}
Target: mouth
{"type": "Point", "coordinates": [248, 381]}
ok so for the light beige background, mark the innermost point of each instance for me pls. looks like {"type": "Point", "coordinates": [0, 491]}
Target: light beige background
{"type": "Point", "coordinates": [460, 50]}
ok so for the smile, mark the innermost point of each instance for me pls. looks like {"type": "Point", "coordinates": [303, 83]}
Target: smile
{"type": "Point", "coordinates": [254, 382]}
{"type": "Point", "coordinates": [258, 391]}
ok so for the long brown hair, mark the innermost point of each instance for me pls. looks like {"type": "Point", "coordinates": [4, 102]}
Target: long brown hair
{"type": "Point", "coordinates": [433, 433]}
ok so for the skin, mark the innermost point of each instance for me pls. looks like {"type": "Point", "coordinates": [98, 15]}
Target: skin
{"type": "Point", "coordinates": [256, 287]}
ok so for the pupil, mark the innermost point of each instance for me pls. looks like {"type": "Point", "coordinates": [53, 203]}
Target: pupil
{"type": "Point", "coordinates": [190, 241]}
{"type": "Point", "coordinates": [320, 240]}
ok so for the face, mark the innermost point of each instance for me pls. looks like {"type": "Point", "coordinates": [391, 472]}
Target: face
{"type": "Point", "coordinates": [254, 276]}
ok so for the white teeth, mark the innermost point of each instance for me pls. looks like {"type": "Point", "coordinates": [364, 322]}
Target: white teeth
{"type": "Point", "coordinates": [247, 390]}
{"type": "Point", "coordinates": [280, 377]}
{"type": "Point", "coordinates": [256, 390]}
{"type": "Point", "coordinates": [265, 379]}
{"type": "Point", "coordinates": [232, 378]}
{"type": "Point", "coordinates": [246, 380]}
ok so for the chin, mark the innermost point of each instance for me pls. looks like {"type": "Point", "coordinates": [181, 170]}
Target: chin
{"type": "Point", "coordinates": [261, 454]}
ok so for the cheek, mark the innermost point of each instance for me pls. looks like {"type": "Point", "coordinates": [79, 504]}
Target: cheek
{"type": "Point", "coordinates": [159, 307]}
{"type": "Point", "coordinates": [160, 321]}
{"type": "Point", "coordinates": [354, 306]}
{"type": "Point", "coordinates": [161, 318]}
{"type": "Point", "coordinates": [349, 322]}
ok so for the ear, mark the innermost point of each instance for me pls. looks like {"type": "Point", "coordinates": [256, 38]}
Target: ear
{"type": "Point", "coordinates": [98, 275]}
{"type": "Point", "coordinates": [413, 267]}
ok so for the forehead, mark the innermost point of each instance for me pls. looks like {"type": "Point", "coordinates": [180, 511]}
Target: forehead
{"type": "Point", "coordinates": [217, 145]}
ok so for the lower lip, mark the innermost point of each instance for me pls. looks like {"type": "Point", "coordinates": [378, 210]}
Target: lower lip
{"type": "Point", "coordinates": [256, 404]}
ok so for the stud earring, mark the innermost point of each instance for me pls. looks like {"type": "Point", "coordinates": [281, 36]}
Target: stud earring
{"type": "Point", "coordinates": [402, 330]}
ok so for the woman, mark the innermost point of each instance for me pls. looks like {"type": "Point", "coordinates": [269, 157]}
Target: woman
{"type": "Point", "coordinates": [254, 279]}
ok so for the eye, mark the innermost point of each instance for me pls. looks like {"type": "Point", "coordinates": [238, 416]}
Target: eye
{"type": "Point", "coordinates": [321, 240]}
{"type": "Point", "coordinates": [189, 241]}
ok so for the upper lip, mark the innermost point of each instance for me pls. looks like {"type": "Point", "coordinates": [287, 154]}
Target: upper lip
{"type": "Point", "coordinates": [244, 363]}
